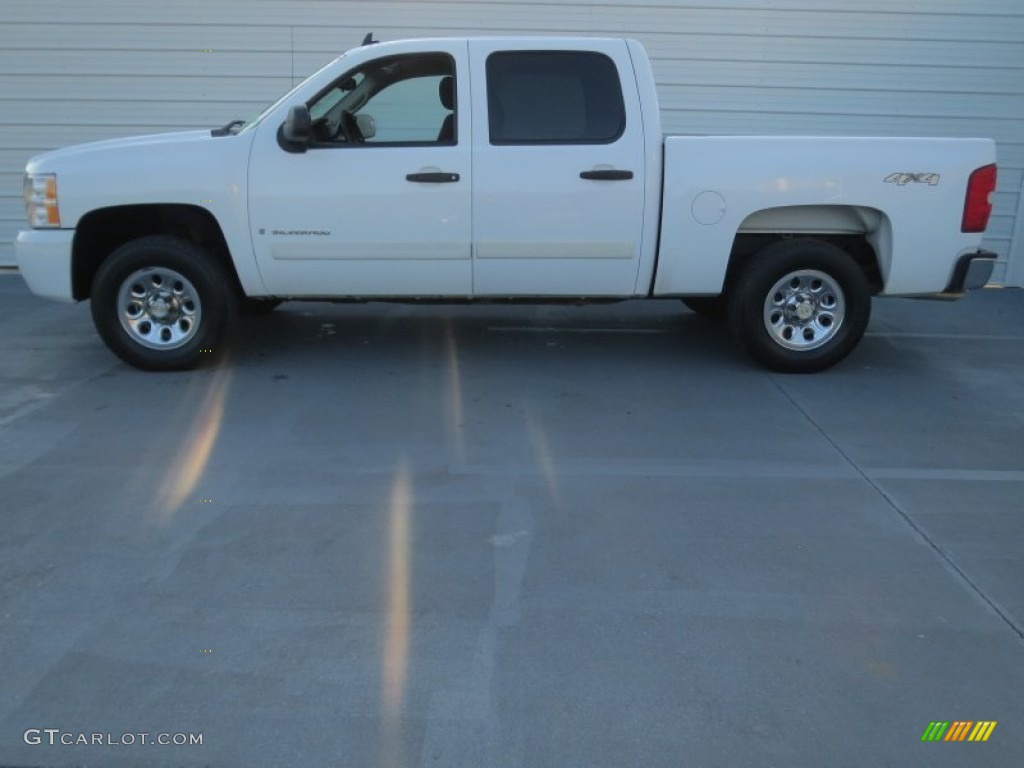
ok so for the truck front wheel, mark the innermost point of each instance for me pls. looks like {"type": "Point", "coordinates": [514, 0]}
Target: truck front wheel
{"type": "Point", "coordinates": [161, 303]}
{"type": "Point", "coordinates": [800, 306]}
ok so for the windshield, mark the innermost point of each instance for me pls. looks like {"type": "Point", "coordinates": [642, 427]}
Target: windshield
{"type": "Point", "coordinates": [262, 115]}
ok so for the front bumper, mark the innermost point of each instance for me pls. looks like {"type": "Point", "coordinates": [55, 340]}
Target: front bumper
{"type": "Point", "coordinates": [44, 258]}
{"type": "Point", "coordinates": [972, 270]}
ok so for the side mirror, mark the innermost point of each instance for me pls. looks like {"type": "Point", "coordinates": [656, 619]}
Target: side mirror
{"type": "Point", "coordinates": [367, 125]}
{"type": "Point", "coordinates": [298, 127]}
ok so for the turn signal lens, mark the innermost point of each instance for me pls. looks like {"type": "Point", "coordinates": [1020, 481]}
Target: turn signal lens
{"type": "Point", "coordinates": [40, 192]}
{"type": "Point", "coordinates": [978, 205]}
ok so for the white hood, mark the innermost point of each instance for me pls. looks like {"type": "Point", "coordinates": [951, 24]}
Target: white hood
{"type": "Point", "coordinates": [50, 161]}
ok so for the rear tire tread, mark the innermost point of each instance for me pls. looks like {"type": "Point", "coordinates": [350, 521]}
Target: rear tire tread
{"type": "Point", "coordinates": [746, 304]}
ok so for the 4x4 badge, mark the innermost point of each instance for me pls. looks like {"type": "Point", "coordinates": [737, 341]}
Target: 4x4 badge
{"type": "Point", "coordinates": [902, 179]}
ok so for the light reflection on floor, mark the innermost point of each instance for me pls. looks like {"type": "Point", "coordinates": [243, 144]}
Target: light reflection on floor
{"type": "Point", "coordinates": [455, 392]}
{"type": "Point", "coordinates": [394, 658]}
{"type": "Point", "coordinates": [541, 445]}
{"type": "Point", "coordinates": [189, 464]}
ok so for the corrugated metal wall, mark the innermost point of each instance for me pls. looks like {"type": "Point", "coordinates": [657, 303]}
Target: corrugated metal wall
{"type": "Point", "coordinates": [74, 71]}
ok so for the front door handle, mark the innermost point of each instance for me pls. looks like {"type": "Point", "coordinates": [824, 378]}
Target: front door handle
{"type": "Point", "coordinates": [433, 177]}
{"type": "Point", "coordinates": [608, 175]}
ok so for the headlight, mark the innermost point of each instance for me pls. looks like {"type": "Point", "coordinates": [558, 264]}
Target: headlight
{"type": "Point", "coordinates": [41, 200]}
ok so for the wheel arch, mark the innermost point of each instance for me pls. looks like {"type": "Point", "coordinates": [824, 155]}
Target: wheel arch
{"type": "Point", "coordinates": [100, 232]}
{"type": "Point", "coordinates": [864, 233]}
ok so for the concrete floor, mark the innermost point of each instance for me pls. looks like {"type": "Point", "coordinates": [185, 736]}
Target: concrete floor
{"type": "Point", "coordinates": [513, 536]}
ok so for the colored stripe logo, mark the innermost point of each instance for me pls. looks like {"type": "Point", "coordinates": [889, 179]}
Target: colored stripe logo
{"type": "Point", "coordinates": [959, 730]}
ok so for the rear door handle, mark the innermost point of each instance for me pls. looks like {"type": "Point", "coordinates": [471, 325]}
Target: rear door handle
{"type": "Point", "coordinates": [608, 175]}
{"type": "Point", "coordinates": [433, 177]}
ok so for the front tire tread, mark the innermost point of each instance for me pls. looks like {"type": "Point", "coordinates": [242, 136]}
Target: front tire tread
{"type": "Point", "coordinates": [210, 278]}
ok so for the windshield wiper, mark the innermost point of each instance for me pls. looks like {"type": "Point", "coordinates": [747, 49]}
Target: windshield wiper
{"type": "Point", "coordinates": [227, 130]}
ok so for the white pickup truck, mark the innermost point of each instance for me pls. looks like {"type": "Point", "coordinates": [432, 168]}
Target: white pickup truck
{"type": "Point", "coordinates": [492, 169]}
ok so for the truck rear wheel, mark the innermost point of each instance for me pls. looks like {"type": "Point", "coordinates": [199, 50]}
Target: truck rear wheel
{"type": "Point", "coordinates": [161, 303]}
{"type": "Point", "coordinates": [800, 306]}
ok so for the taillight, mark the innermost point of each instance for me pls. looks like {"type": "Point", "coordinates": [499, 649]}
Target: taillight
{"type": "Point", "coordinates": [978, 205]}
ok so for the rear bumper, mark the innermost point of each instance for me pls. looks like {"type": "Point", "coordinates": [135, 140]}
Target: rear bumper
{"type": "Point", "coordinates": [972, 270]}
{"type": "Point", "coordinates": [44, 258]}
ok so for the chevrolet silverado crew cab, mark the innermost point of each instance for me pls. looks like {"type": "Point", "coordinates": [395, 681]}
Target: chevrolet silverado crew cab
{"type": "Point", "coordinates": [493, 169]}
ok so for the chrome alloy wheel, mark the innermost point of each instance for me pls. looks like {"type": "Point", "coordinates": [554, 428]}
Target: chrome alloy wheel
{"type": "Point", "coordinates": [804, 310]}
{"type": "Point", "coordinates": [159, 308]}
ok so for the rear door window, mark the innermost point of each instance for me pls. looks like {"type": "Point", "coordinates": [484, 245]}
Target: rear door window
{"type": "Point", "coordinates": [554, 97]}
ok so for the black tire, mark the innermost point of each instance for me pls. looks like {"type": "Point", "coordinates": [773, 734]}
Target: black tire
{"type": "Point", "coordinates": [711, 307]}
{"type": "Point", "coordinates": [163, 304]}
{"type": "Point", "coordinates": [251, 307]}
{"type": "Point", "coordinates": [809, 322]}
